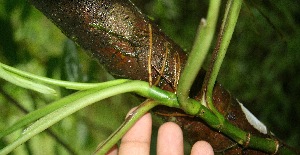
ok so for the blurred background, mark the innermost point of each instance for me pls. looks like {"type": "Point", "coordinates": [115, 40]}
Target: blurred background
{"type": "Point", "coordinates": [261, 69]}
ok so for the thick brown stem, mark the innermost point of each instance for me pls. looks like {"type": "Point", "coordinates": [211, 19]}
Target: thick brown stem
{"type": "Point", "coordinates": [116, 34]}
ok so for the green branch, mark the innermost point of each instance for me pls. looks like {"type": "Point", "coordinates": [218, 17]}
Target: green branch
{"type": "Point", "coordinates": [132, 118]}
{"type": "Point", "coordinates": [229, 21]}
{"type": "Point", "coordinates": [81, 99]}
{"type": "Point", "coordinates": [196, 57]}
{"type": "Point", "coordinates": [240, 136]}
{"type": "Point", "coordinates": [64, 107]}
{"type": "Point", "coordinates": [15, 73]}
{"type": "Point", "coordinates": [227, 28]}
{"type": "Point", "coordinates": [22, 82]}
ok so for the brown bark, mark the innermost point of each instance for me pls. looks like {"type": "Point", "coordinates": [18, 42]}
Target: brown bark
{"type": "Point", "coordinates": [116, 34]}
{"type": "Point", "coordinates": [120, 37]}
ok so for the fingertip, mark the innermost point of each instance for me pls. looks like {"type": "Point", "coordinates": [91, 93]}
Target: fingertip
{"type": "Point", "coordinates": [202, 148]}
{"type": "Point", "coordinates": [137, 139]}
{"type": "Point", "coordinates": [170, 139]}
{"type": "Point", "coordinates": [113, 151]}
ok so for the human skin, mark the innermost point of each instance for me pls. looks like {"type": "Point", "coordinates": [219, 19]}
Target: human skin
{"type": "Point", "coordinates": [169, 141]}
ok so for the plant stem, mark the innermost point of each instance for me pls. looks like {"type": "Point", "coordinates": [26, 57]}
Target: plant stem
{"type": "Point", "coordinates": [228, 25]}
{"type": "Point", "coordinates": [34, 115]}
{"type": "Point", "coordinates": [49, 131]}
{"type": "Point", "coordinates": [225, 34]}
{"type": "Point", "coordinates": [84, 98]}
{"type": "Point", "coordinates": [66, 84]}
{"type": "Point", "coordinates": [196, 57]}
{"type": "Point", "coordinates": [240, 136]}
{"type": "Point", "coordinates": [79, 100]}
{"type": "Point", "coordinates": [22, 82]}
{"type": "Point", "coordinates": [140, 111]}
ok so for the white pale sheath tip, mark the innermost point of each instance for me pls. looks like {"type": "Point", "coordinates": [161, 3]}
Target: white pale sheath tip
{"type": "Point", "coordinates": [253, 120]}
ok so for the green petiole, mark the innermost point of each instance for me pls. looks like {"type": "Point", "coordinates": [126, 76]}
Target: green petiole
{"type": "Point", "coordinates": [196, 57]}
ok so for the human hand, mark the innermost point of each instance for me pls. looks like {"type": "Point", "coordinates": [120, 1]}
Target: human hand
{"type": "Point", "coordinates": [169, 141]}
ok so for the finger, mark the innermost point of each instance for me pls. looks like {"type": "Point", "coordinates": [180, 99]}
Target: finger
{"type": "Point", "coordinates": [170, 140]}
{"type": "Point", "coordinates": [202, 148]}
{"type": "Point", "coordinates": [113, 151]}
{"type": "Point", "coordinates": [137, 140]}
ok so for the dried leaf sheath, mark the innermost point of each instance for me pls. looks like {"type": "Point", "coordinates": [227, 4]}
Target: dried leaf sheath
{"type": "Point", "coordinates": [119, 36]}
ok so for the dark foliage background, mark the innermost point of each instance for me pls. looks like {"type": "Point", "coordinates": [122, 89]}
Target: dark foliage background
{"type": "Point", "coordinates": [261, 67]}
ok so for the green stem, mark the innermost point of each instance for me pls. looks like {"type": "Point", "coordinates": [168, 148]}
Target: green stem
{"type": "Point", "coordinates": [25, 83]}
{"type": "Point", "coordinates": [141, 110]}
{"type": "Point", "coordinates": [84, 98]}
{"type": "Point", "coordinates": [66, 84]}
{"type": "Point", "coordinates": [35, 115]}
{"type": "Point", "coordinates": [196, 57]}
{"type": "Point", "coordinates": [227, 28]}
{"type": "Point", "coordinates": [226, 31]}
{"type": "Point", "coordinates": [238, 135]}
